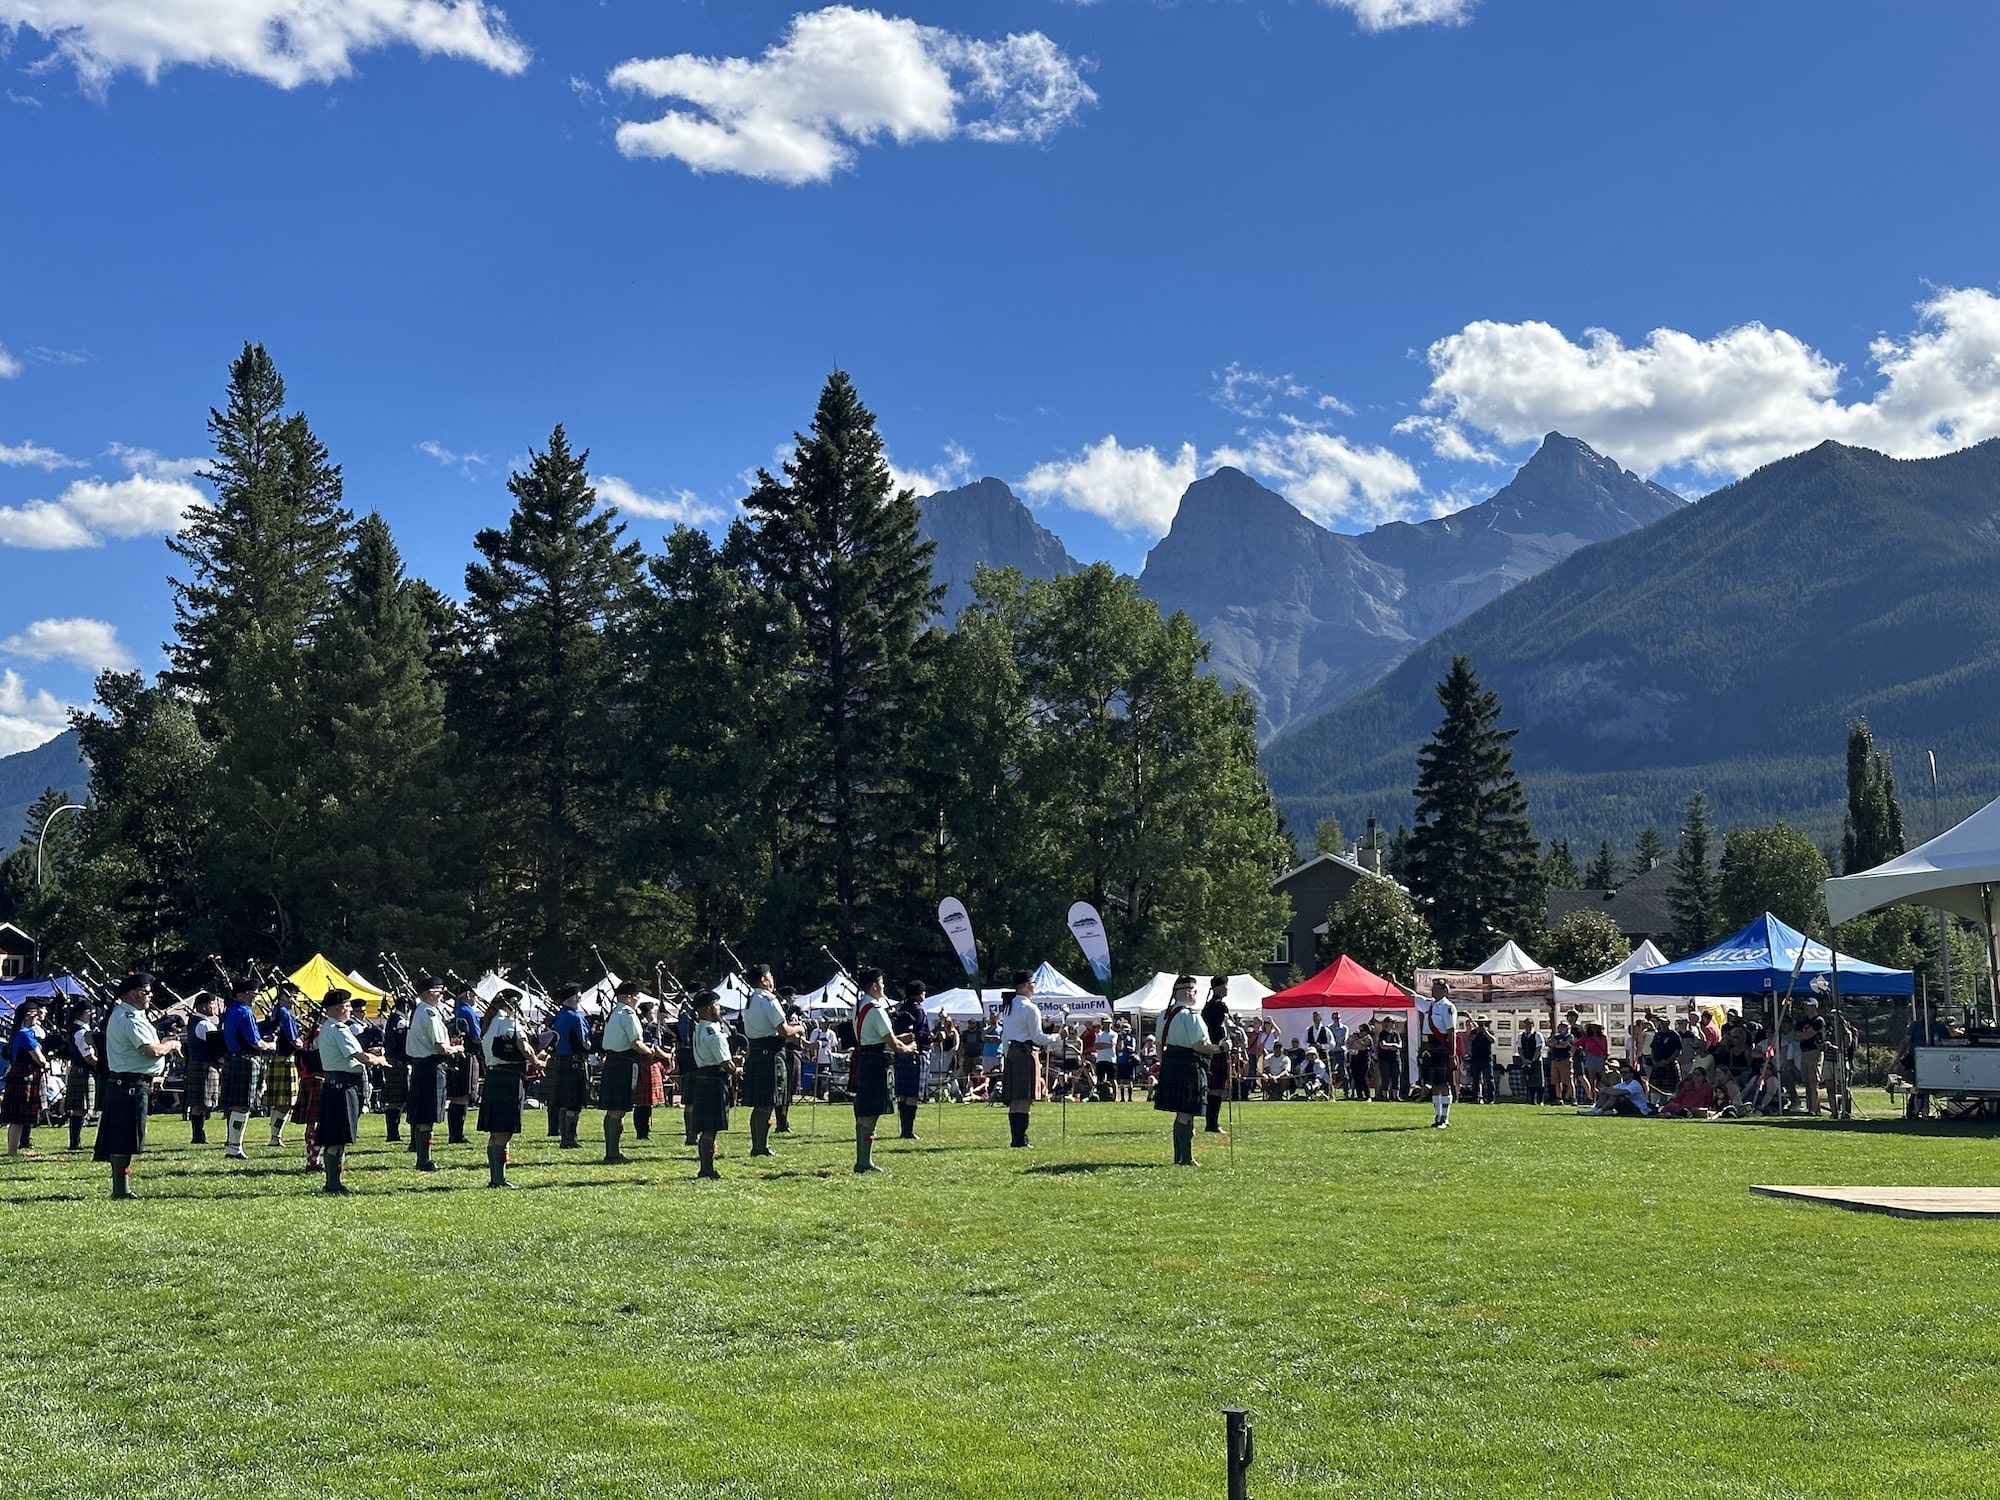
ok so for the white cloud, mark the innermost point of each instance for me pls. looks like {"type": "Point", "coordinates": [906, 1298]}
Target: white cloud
{"type": "Point", "coordinates": [1135, 489]}
{"type": "Point", "coordinates": [1389, 15]}
{"type": "Point", "coordinates": [684, 507]}
{"type": "Point", "coordinates": [34, 455]}
{"type": "Point", "coordinates": [844, 78]}
{"type": "Point", "coordinates": [146, 461]}
{"type": "Point", "coordinates": [1723, 405]}
{"type": "Point", "coordinates": [468, 464]}
{"type": "Point", "coordinates": [1337, 483]}
{"type": "Point", "coordinates": [92, 645]}
{"type": "Point", "coordinates": [953, 471]}
{"type": "Point", "coordinates": [285, 42]}
{"type": "Point", "coordinates": [9, 366]}
{"type": "Point", "coordinates": [90, 510]}
{"type": "Point", "coordinates": [28, 718]}
{"type": "Point", "coordinates": [1252, 393]}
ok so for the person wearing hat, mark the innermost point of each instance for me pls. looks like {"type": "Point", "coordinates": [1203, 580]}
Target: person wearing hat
{"type": "Point", "coordinates": [651, 1091]}
{"type": "Point", "coordinates": [281, 1071]}
{"type": "Point", "coordinates": [1221, 1061]}
{"type": "Point", "coordinates": [765, 1032]}
{"type": "Point", "coordinates": [707, 1090]}
{"type": "Point", "coordinates": [343, 1062]}
{"type": "Point", "coordinates": [395, 1090]}
{"type": "Point", "coordinates": [201, 1066]}
{"type": "Point", "coordinates": [27, 1077]}
{"type": "Point", "coordinates": [312, 1082]}
{"type": "Point", "coordinates": [875, 1040]}
{"type": "Point", "coordinates": [1184, 1077]}
{"type": "Point", "coordinates": [429, 1044]}
{"type": "Point", "coordinates": [795, 1057]}
{"type": "Point", "coordinates": [461, 1074]}
{"type": "Point", "coordinates": [1022, 1043]}
{"type": "Point", "coordinates": [1437, 1052]}
{"type": "Point", "coordinates": [569, 1065]}
{"type": "Point", "coordinates": [245, 1050]}
{"type": "Point", "coordinates": [914, 1027]}
{"type": "Point", "coordinates": [626, 1054]}
{"type": "Point", "coordinates": [508, 1054]}
{"type": "Point", "coordinates": [1809, 1034]}
{"type": "Point", "coordinates": [85, 1054]}
{"type": "Point", "coordinates": [134, 1056]}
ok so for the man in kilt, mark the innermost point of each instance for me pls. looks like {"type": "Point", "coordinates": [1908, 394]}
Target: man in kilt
{"type": "Point", "coordinates": [507, 1053]}
{"type": "Point", "coordinates": [569, 1065]}
{"type": "Point", "coordinates": [396, 1076]}
{"type": "Point", "coordinates": [1215, 1020]}
{"type": "Point", "coordinates": [795, 1056]}
{"type": "Point", "coordinates": [281, 1069]}
{"type": "Point", "coordinates": [875, 1040]}
{"type": "Point", "coordinates": [461, 1075]}
{"type": "Point", "coordinates": [343, 1065]}
{"type": "Point", "coordinates": [651, 1091]}
{"type": "Point", "coordinates": [766, 1084]}
{"type": "Point", "coordinates": [201, 1067]}
{"type": "Point", "coordinates": [1437, 1058]}
{"type": "Point", "coordinates": [27, 1077]}
{"type": "Point", "coordinates": [244, 1051]}
{"type": "Point", "coordinates": [86, 1060]}
{"type": "Point", "coordinates": [914, 1027]}
{"type": "Point", "coordinates": [1022, 1043]}
{"type": "Point", "coordinates": [1183, 1086]}
{"type": "Point", "coordinates": [627, 1056]}
{"type": "Point", "coordinates": [708, 1083]}
{"type": "Point", "coordinates": [687, 1021]}
{"type": "Point", "coordinates": [430, 1046]}
{"type": "Point", "coordinates": [134, 1056]}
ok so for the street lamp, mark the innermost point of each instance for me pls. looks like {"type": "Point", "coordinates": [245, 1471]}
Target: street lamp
{"type": "Point", "coordinates": [43, 837]}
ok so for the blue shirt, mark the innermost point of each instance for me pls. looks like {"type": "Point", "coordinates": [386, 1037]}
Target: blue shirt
{"type": "Point", "coordinates": [571, 1038]}
{"type": "Point", "coordinates": [24, 1046]}
{"type": "Point", "coordinates": [286, 1030]}
{"type": "Point", "coordinates": [239, 1028]}
{"type": "Point", "coordinates": [467, 1018]}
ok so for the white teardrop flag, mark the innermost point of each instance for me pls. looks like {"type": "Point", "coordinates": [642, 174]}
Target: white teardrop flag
{"type": "Point", "coordinates": [1088, 930]}
{"type": "Point", "coordinates": [958, 927]}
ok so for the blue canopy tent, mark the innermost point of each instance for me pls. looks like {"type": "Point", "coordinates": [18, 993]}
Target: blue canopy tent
{"type": "Point", "coordinates": [1768, 958]}
{"type": "Point", "coordinates": [14, 991]}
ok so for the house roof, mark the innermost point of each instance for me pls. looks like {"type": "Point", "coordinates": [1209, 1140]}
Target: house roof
{"type": "Point", "coordinates": [1641, 907]}
{"type": "Point", "coordinates": [1319, 859]}
{"type": "Point", "coordinates": [13, 940]}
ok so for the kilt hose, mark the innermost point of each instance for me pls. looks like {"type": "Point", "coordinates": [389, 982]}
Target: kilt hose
{"type": "Point", "coordinates": [239, 1084]}
{"type": "Point", "coordinates": [121, 1124]}
{"type": "Point", "coordinates": [1183, 1085]}
{"type": "Point", "coordinates": [339, 1109]}
{"type": "Point", "coordinates": [395, 1090]}
{"type": "Point", "coordinates": [568, 1083]}
{"type": "Point", "coordinates": [425, 1105]}
{"type": "Point", "coordinates": [1436, 1065]}
{"type": "Point", "coordinates": [618, 1084]}
{"type": "Point", "coordinates": [80, 1091]}
{"type": "Point", "coordinates": [463, 1073]}
{"type": "Point", "coordinates": [500, 1100]}
{"type": "Point", "coordinates": [1021, 1074]}
{"type": "Point", "coordinates": [868, 1081]}
{"type": "Point", "coordinates": [651, 1090]}
{"type": "Point", "coordinates": [281, 1084]}
{"type": "Point", "coordinates": [201, 1089]}
{"type": "Point", "coordinates": [763, 1084]}
{"type": "Point", "coordinates": [21, 1100]}
{"type": "Point", "coordinates": [306, 1111]}
{"type": "Point", "coordinates": [909, 1069]}
{"type": "Point", "coordinates": [708, 1100]}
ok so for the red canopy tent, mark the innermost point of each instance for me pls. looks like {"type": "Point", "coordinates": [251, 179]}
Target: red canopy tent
{"type": "Point", "coordinates": [1342, 985]}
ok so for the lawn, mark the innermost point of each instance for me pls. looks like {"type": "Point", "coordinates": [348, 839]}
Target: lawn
{"type": "Point", "coordinates": [1527, 1303]}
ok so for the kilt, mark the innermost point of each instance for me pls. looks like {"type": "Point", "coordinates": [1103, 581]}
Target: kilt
{"type": "Point", "coordinates": [281, 1083]}
{"type": "Point", "coordinates": [425, 1105]}
{"type": "Point", "coordinates": [909, 1068]}
{"type": "Point", "coordinates": [239, 1084]}
{"type": "Point", "coordinates": [1021, 1074]}
{"type": "Point", "coordinates": [462, 1073]}
{"type": "Point", "coordinates": [568, 1082]}
{"type": "Point", "coordinates": [651, 1090]}
{"type": "Point", "coordinates": [306, 1111]}
{"type": "Point", "coordinates": [500, 1101]}
{"type": "Point", "coordinates": [794, 1074]}
{"type": "Point", "coordinates": [1183, 1085]}
{"type": "Point", "coordinates": [21, 1100]}
{"type": "Point", "coordinates": [1436, 1064]}
{"type": "Point", "coordinates": [1667, 1076]}
{"type": "Point", "coordinates": [395, 1090]}
{"type": "Point", "coordinates": [618, 1083]}
{"type": "Point", "coordinates": [80, 1090]}
{"type": "Point", "coordinates": [201, 1088]}
{"type": "Point", "coordinates": [868, 1081]}
{"type": "Point", "coordinates": [1218, 1071]}
{"type": "Point", "coordinates": [708, 1100]}
{"type": "Point", "coordinates": [339, 1109]}
{"type": "Point", "coordinates": [763, 1085]}
{"type": "Point", "coordinates": [121, 1124]}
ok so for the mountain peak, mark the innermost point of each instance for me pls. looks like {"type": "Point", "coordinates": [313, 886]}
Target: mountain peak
{"type": "Point", "coordinates": [985, 522]}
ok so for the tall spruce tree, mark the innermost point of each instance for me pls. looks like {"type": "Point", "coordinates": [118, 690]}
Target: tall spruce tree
{"type": "Point", "coordinates": [1874, 830]}
{"type": "Point", "coordinates": [838, 542]}
{"type": "Point", "coordinates": [1603, 872]}
{"type": "Point", "coordinates": [1647, 851]}
{"type": "Point", "coordinates": [544, 708]}
{"type": "Point", "coordinates": [1559, 871]}
{"type": "Point", "coordinates": [1472, 862]}
{"type": "Point", "coordinates": [1695, 899]}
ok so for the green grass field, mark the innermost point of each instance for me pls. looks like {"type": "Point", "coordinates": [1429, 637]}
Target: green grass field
{"type": "Point", "coordinates": [1528, 1303]}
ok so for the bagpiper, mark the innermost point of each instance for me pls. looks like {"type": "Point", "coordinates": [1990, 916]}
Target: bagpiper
{"type": "Point", "coordinates": [430, 1046]}
{"type": "Point", "coordinates": [765, 1032]}
{"type": "Point", "coordinates": [201, 1067]}
{"type": "Point", "coordinates": [245, 1048]}
{"type": "Point", "coordinates": [343, 1062]}
{"type": "Point", "coordinates": [1022, 1042]}
{"type": "Point", "coordinates": [914, 1027]}
{"type": "Point", "coordinates": [86, 1060]}
{"type": "Point", "coordinates": [134, 1056]}
{"type": "Point", "coordinates": [507, 1052]}
{"type": "Point", "coordinates": [1183, 1086]}
{"type": "Point", "coordinates": [875, 1040]}
{"type": "Point", "coordinates": [27, 1077]}
{"type": "Point", "coordinates": [569, 1065]}
{"type": "Point", "coordinates": [281, 1071]}
{"type": "Point", "coordinates": [626, 1056]}
{"type": "Point", "coordinates": [708, 1088]}
{"type": "Point", "coordinates": [461, 1074]}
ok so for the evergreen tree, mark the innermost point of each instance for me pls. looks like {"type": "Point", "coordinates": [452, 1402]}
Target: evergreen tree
{"type": "Point", "coordinates": [1559, 871]}
{"type": "Point", "coordinates": [1777, 870]}
{"type": "Point", "coordinates": [1695, 898]}
{"type": "Point", "coordinates": [544, 705]}
{"type": "Point", "coordinates": [1647, 852]}
{"type": "Point", "coordinates": [1379, 927]}
{"type": "Point", "coordinates": [1874, 830]}
{"type": "Point", "coordinates": [838, 542]}
{"type": "Point", "coordinates": [1583, 944]}
{"type": "Point", "coordinates": [1472, 861]}
{"type": "Point", "coordinates": [1328, 837]}
{"type": "Point", "coordinates": [1603, 872]}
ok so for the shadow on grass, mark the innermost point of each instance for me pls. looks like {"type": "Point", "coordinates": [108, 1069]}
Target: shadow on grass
{"type": "Point", "coordinates": [1079, 1168]}
{"type": "Point", "coordinates": [1977, 1130]}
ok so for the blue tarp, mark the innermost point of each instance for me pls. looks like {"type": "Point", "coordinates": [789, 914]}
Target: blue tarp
{"type": "Point", "coordinates": [1760, 960]}
{"type": "Point", "coordinates": [14, 991]}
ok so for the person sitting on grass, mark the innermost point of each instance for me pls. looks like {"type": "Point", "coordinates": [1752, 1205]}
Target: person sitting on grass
{"type": "Point", "coordinates": [1694, 1099]}
{"type": "Point", "coordinates": [1275, 1073]}
{"type": "Point", "coordinates": [1767, 1095]}
{"type": "Point", "coordinates": [1312, 1077]}
{"type": "Point", "coordinates": [1626, 1097]}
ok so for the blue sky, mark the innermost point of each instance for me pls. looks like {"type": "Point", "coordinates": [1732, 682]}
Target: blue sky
{"type": "Point", "coordinates": [1357, 246]}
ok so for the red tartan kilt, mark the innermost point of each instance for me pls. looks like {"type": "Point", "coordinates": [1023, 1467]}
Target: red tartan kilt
{"type": "Point", "coordinates": [651, 1092]}
{"type": "Point", "coordinates": [306, 1111]}
{"type": "Point", "coordinates": [21, 1102]}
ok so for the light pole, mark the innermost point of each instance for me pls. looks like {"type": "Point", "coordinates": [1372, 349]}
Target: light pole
{"type": "Point", "coordinates": [43, 837]}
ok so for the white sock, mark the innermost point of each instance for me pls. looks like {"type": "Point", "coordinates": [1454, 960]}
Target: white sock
{"type": "Point", "coordinates": [278, 1118]}
{"type": "Point", "coordinates": [1444, 1106]}
{"type": "Point", "coordinates": [236, 1124]}
{"type": "Point", "coordinates": [1437, 1105]}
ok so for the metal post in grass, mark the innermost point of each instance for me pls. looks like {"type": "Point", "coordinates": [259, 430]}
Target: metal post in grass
{"type": "Point", "coordinates": [1242, 1444]}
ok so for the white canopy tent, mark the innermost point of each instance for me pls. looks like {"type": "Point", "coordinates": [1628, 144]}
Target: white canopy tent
{"type": "Point", "coordinates": [1614, 985]}
{"type": "Point", "coordinates": [837, 995]}
{"type": "Point", "coordinates": [732, 994]}
{"type": "Point", "coordinates": [1056, 993]}
{"type": "Point", "coordinates": [963, 1004]}
{"type": "Point", "coordinates": [1513, 959]}
{"type": "Point", "coordinates": [1246, 995]}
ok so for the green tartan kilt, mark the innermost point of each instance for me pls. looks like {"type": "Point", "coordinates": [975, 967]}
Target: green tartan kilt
{"type": "Point", "coordinates": [395, 1090]}
{"type": "Point", "coordinates": [764, 1080]}
{"type": "Point", "coordinates": [618, 1083]}
{"type": "Point", "coordinates": [568, 1082]}
{"type": "Point", "coordinates": [500, 1101]}
{"type": "Point", "coordinates": [80, 1090]}
{"type": "Point", "coordinates": [1183, 1086]}
{"type": "Point", "coordinates": [239, 1084]}
{"type": "Point", "coordinates": [868, 1081]}
{"type": "Point", "coordinates": [708, 1100]}
{"type": "Point", "coordinates": [201, 1088]}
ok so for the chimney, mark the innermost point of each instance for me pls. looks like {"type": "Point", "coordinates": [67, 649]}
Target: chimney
{"type": "Point", "coordinates": [1369, 854]}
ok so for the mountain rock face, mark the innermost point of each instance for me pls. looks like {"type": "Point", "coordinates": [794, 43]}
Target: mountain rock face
{"type": "Point", "coordinates": [985, 523]}
{"type": "Point", "coordinates": [1727, 647]}
{"type": "Point", "coordinates": [26, 774]}
{"type": "Point", "coordinates": [1304, 617]}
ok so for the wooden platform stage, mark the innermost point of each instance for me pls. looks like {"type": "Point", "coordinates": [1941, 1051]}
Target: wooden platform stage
{"type": "Point", "coordinates": [1902, 1202]}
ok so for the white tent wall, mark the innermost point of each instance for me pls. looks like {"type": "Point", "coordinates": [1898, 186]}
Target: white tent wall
{"type": "Point", "coordinates": [1246, 995]}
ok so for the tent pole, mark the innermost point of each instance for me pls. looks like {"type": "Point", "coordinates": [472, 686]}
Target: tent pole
{"type": "Point", "coordinates": [1992, 955]}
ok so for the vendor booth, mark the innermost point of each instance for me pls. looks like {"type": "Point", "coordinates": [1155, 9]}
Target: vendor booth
{"type": "Point", "coordinates": [1769, 959]}
{"type": "Point", "coordinates": [1245, 995]}
{"type": "Point", "coordinates": [1350, 992]}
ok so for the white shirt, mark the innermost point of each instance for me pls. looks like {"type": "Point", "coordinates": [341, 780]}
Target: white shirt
{"type": "Point", "coordinates": [822, 1040]}
{"type": "Point", "coordinates": [339, 1048]}
{"type": "Point", "coordinates": [427, 1037]}
{"type": "Point", "coordinates": [501, 1025]}
{"type": "Point", "coordinates": [872, 1025]}
{"type": "Point", "coordinates": [711, 1044]}
{"type": "Point", "coordinates": [1107, 1045]}
{"type": "Point", "coordinates": [763, 1017]}
{"type": "Point", "coordinates": [1183, 1027]}
{"type": "Point", "coordinates": [622, 1029]}
{"type": "Point", "coordinates": [1443, 1018]}
{"type": "Point", "coordinates": [1022, 1022]}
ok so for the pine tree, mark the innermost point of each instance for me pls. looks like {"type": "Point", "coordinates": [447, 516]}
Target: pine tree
{"type": "Point", "coordinates": [1647, 852]}
{"type": "Point", "coordinates": [1559, 871]}
{"type": "Point", "coordinates": [1328, 838]}
{"type": "Point", "coordinates": [1603, 872]}
{"type": "Point", "coordinates": [1472, 859]}
{"type": "Point", "coordinates": [1695, 899]}
{"type": "Point", "coordinates": [544, 706]}
{"type": "Point", "coordinates": [1874, 830]}
{"type": "Point", "coordinates": [838, 542]}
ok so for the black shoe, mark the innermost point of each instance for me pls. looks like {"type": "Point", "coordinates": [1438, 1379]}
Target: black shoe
{"type": "Point", "coordinates": [708, 1172]}
{"type": "Point", "coordinates": [427, 1166]}
{"type": "Point", "coordinates": [620, 1159]}
{"type": "Point", "coordinates": [337, 1190]}
{"type": "Point", "coordinates": [871, 1167]}
{"type": "Point", "coordinates": [762, 1151]}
